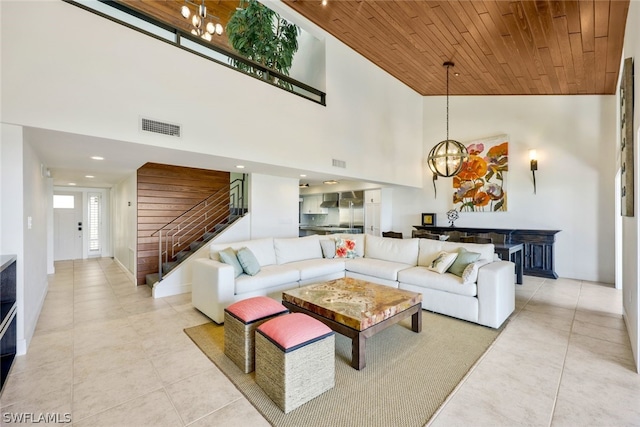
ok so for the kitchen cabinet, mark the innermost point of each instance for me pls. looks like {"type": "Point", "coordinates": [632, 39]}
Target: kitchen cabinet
{"type": "Point", "coordinates": [8, 315]}
{"type": "Point", "coordinates": [373, 196]}
{"type": "Point", "coordinates": [372, 212]}
{"type": "Point", "coordinates": [311, 204]}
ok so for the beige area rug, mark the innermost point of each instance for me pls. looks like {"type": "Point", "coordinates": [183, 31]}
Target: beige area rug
{"type": "Point", "coordinates": [407, 378]}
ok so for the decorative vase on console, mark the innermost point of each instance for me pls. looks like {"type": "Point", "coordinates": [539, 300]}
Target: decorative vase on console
{"type": "Point", "coordinates": [452, 215]}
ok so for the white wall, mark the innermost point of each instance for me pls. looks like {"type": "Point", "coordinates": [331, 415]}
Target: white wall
{"type": "Point", "coordinates": [36, 196]}
{"type": "Point", "coordinates": [101, 77]}
{"type": "Point", "coordinates": [575, 140]}
{"type": "Point", "coordinates": [630, 228]}
{"type": "Point", "coordinates": [308, 64]}
{"type": "Point", "coordinates": [12, 207]}
{"type": "Point", "coordinates": [125, 223]}
{"type": "Point", "coordinates": [273, 203]}
{"type": "Point", "coordinates": [24, 194]}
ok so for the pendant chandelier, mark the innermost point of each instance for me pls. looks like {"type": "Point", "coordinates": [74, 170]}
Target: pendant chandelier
{"type": "Point", "coordinates": [201, 27]}
{"type": "Point", "coordinates": [448, 156]}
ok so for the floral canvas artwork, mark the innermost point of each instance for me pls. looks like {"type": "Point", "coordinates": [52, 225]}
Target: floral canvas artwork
{"type": "Point", "coordinates": [480, 186]}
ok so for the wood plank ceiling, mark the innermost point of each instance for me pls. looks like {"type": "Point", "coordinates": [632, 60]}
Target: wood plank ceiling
{"type": "Point", "coordinates": [499, 47]}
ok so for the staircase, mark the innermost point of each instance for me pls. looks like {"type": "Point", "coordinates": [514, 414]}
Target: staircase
{"type": "Point", "coordinates": [192, 229]}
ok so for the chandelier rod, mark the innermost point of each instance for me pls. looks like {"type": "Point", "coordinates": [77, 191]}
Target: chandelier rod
{"type": "Point", "coordinates": [448, 64]}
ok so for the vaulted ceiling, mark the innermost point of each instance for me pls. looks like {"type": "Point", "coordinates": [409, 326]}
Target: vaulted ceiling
{"type": "Point", "coordinates": [499, 47]}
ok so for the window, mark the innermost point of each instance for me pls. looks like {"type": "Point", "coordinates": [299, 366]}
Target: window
{"type": "Point", "coordinates": [94, 223]}
{"type": "Point", "coordinates": [63, 201]}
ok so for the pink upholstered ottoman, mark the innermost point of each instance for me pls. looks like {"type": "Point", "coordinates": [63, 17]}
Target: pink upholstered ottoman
{"type": "Point", "coordinates": [240, 322]}
{"type": "Point", "coordinates": [295, 359]}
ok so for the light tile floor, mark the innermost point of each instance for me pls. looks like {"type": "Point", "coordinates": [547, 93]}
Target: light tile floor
{"type": "Point", "coordinates": [107, 353]}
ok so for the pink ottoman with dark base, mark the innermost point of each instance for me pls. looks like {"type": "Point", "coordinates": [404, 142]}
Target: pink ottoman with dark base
{"type": "Point", "coordinates": [295, 359]}
{"type": "Point", "coordinates": [240, 322]}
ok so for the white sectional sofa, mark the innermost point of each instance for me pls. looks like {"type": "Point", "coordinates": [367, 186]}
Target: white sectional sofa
{"type": "Point", "coordinates": [402, 263]}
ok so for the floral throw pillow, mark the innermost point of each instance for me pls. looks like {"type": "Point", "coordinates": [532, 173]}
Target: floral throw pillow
{"type": "Point", "coordinates": [345, 248]}
{"type": "Point", "coordinates": [443, 261]}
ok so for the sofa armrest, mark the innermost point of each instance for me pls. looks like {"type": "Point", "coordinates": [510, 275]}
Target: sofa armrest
{"type": "Point", "coordinates": [212, 287]}
{"type": "Point", "coordinates": [496, 293]}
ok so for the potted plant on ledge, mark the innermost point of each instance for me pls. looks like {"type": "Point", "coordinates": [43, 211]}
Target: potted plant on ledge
{"type": "Point", "coordinates": [261, 35]}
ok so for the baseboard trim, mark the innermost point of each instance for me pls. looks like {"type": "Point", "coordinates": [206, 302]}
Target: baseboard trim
{"type": "Point", "coordinates": [161, 291]}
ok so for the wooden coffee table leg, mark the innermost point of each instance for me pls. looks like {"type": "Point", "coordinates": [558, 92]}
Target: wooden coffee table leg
{"type": "Point", "coordinates": [416, 321]}
{"type": "Point", "coordinates": [358, 347]}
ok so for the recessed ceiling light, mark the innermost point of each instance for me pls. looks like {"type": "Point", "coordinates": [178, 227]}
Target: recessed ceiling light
{"type": "Point", "coordinates": [72, 183]}
{"type": "Point", "coordinates": [97, 158]}
{"type": "Point", "coordinates": [302, 175]}
{"type": "Point", "coordinates": [330, 182]}
{"type": "Point", "coordinates": [89, 176]}
{"type": "Point", "coordinates": [240, 166]}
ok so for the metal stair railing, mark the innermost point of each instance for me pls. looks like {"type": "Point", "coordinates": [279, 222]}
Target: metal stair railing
{"type": "Point", "coordinates": [222, 207]}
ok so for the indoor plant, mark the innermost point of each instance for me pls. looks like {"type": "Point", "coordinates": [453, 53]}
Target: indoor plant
{"type": "Point", "coordinates": [261, 35]}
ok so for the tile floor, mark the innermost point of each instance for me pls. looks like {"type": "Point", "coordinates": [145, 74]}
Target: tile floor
{"type": "Point", "coordinates": [107, 353]}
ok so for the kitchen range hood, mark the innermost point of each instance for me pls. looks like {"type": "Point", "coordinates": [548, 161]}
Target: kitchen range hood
{"type": "Point", "coordinates": [330, 200]}
{"type": "Point", "coordinates": [351, 199]}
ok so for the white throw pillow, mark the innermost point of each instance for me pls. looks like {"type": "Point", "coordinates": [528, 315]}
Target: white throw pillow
{"type": "Point", "coordinates": [470, 273]}
{"type": "Point", "coordinates": [442, 261]}
{"type": "Point", "coordinates": [328, 248]}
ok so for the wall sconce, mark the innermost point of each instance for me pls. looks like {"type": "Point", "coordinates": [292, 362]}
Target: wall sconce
{"type": "Point", "coordinates": [533, 156]}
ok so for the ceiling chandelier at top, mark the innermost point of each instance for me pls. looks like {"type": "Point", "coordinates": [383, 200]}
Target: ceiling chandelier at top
{"type": "Point", "coordinates": [203, 22]}
{"type": "Point", "coordinates": [448, 156]}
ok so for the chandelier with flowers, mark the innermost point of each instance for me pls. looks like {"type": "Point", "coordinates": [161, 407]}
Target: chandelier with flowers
{"type": "Point", "coordinates": [204, 24]}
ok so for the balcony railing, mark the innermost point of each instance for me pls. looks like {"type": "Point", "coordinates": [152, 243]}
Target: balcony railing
{"type": "Point", "coordinates": [152, 27]}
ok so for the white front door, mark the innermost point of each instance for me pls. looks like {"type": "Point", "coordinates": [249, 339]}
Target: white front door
{"type": "Point", "coordinates": [67, 226]}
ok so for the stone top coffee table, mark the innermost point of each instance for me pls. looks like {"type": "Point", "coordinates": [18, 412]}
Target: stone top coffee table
{"type": "Point", "coordinates": [356, 309]}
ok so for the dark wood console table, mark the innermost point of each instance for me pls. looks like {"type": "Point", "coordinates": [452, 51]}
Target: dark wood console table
{"type": "Point", "coordinates": [538, 258]}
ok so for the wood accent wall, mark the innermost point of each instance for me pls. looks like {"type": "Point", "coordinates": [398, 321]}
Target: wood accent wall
{"type": "Point", "coordinates": [164, 193]}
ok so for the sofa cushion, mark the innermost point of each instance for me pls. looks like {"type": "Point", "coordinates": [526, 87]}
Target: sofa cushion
{"type": "Point", "coordinates": [328, 248]}
{"type": "Point", "coordinates": [261, 248]}
{"type": "Point", "coordinates": [486, 250]}
{"type": "Point", "coordinates": [443, 261]}
{"type": "Point", "coordinates": [297, 249]}
{"type": "Point", "coordinates": [421, 276]}
{"type": "Point", "coordinates": [404, 251]}
{"type": "Point", "coordinates": [461, 262]}
{"type": "Point", "coordinates": [345, 248]}
{"type": "Point", "coordinates": [269, 276]}
{"type": "Point", "coordinates": [229, 256]}
{"type": "Point", "coordinates": [470, 273]}
{"type": "Point", "coordinates": [358, 238]}
{"type": "Point", "coordinates": [376, 267]}
{"type": "Point", "coordinates": [248, 261]}
{"type": "Point", "coordinates": [311, 268]}
{"type": "Point", "coordinates": [428, 250]}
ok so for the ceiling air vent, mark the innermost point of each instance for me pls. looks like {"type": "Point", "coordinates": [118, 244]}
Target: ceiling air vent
{"type": "Point", "coordinates": [169, 129]}
{"type": "Point", "coordinates": [339, 163]}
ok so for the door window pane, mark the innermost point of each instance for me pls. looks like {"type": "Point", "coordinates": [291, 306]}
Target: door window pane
{"type": "Point", "coordinates": [61, 201]}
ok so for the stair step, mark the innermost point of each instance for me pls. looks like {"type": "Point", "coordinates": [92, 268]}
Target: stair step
{"type": "Point", "coordinates": [183, 254]}
{"type": "Point", "coordinates": [196, 245]}
{"type": "Point", "coordinates": [168, 266]}
{"type": "Point", "coordinates": [151, 279]}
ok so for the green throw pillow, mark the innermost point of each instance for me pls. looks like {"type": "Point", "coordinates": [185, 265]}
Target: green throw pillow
{"type": "Point", "coordinates": [463, 259]}
{"type": "Point", "coordinates": [228, 256]}
{"type": "Point", "coordinates": [248, 261]}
